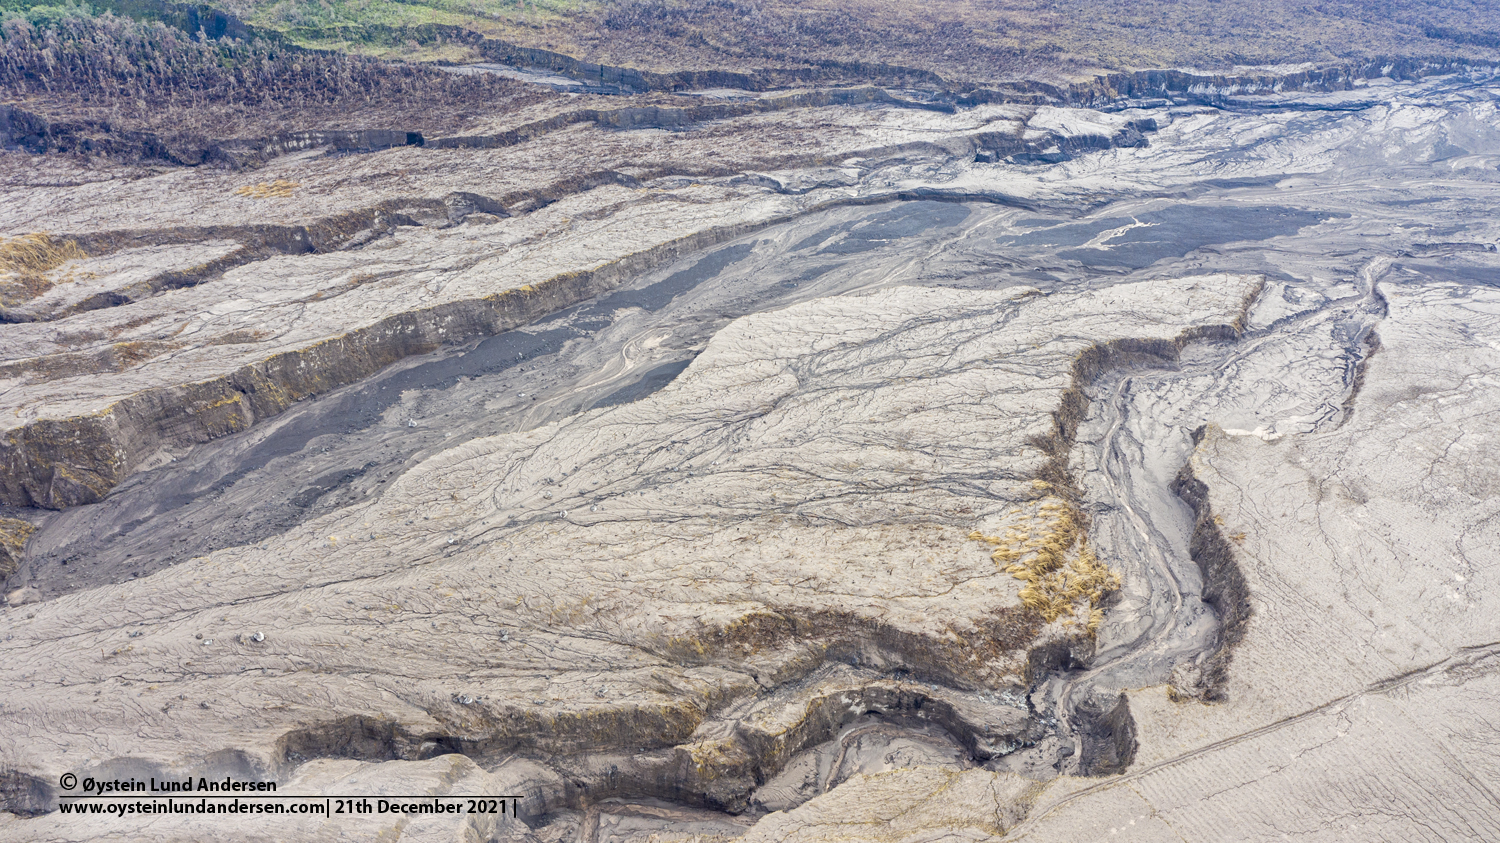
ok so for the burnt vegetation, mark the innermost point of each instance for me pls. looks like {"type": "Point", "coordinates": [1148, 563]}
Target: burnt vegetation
{"type": "Point", "coordinates": [118, 73]}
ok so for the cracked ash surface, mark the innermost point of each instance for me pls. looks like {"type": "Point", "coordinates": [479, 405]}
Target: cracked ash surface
{"type": "Point", "coordinates": [650, 491]}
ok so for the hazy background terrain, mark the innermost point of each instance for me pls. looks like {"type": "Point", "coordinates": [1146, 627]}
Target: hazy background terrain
{"type": "Point", "coordinates": [961, 39]}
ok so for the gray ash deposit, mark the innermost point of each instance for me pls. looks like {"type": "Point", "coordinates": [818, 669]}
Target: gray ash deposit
{"type": "Point", "coordinates": [881, 489]}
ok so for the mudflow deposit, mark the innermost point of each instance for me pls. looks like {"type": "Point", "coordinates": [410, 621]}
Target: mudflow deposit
{"type": "Point", "coordinates": [845, 463]}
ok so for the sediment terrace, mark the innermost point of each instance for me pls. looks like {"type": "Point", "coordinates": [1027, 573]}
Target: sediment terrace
{"type": "Point", "coordinates": [787, 524]}
{"type": "Point", "coordinates": [322, 307]}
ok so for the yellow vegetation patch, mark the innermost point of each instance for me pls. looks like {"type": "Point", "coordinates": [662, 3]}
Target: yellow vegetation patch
{"type": "Point", "coordinates": [26, 259]}
{"type": "Point", "coordinates": [31, 253]}
{"type": "Point", "coordinates": [279, 189]}
{"type": "Point", "coordinates": [1049, 551]}
{"type": "Point", "coordinates": [128, 354]}
{"type": "Point", "coordinates": [243, 335]}
{"type": "Point", "coordinates": [13, 535]}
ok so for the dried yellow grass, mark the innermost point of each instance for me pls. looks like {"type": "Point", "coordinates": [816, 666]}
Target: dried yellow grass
{"type": "Point", "coordinates": [1049, 551]}
{"type": "Point", "coordinates": [279, 189]}
{"type": "Point", "coordinates": [26, 260]}
{"type": "Point", "coordinates": [36, 253]}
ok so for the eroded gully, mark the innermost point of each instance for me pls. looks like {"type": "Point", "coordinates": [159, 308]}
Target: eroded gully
{"type": "Point", "coordinates": [1138, 434]}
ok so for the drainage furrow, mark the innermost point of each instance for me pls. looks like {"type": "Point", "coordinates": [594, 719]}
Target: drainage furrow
{"type": "Point", "coordinates": [1141, 521]}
